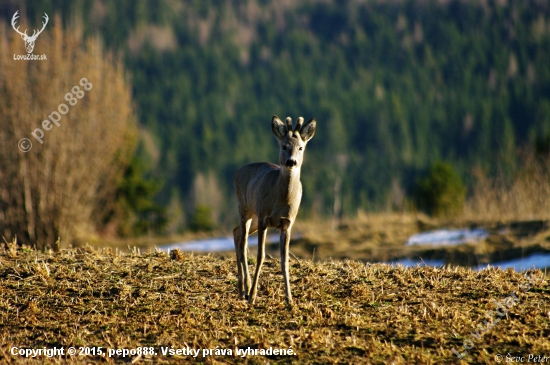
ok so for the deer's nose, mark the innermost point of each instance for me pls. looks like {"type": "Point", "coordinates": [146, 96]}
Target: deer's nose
{"type": "Point", "coordinates": [291, 163]}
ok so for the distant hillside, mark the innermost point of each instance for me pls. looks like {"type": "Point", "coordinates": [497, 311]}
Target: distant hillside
{"type": "Point", "coordinates": [394, 85]}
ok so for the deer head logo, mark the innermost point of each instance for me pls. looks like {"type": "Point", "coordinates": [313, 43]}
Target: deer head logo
{"type": "Point", "coordinates": [29, 41]}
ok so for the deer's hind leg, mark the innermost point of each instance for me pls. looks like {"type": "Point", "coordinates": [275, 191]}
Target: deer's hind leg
{"type": "Point", "coordinates": [262, 229]}
{"type": "Point", "coordinates": [237, 241]}
{"type": "Point", "coordinates": [247, 226]}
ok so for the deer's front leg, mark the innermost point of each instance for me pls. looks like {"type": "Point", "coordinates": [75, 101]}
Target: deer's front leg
{"type": "Point", "coordinates": [284, 245]}
{"type": "Point", "coordinates": [262, 229]}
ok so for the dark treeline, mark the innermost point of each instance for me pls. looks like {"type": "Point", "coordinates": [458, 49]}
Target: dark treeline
{"type": "Point", "coordinates": [395, 86]}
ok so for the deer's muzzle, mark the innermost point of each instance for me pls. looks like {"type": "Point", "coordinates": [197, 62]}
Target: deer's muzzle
{"type": "Point", "coordinates": [291, 163]}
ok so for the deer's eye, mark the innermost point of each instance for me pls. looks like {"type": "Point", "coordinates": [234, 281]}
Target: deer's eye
{"type": "Point", "coordinates": [301, 148]}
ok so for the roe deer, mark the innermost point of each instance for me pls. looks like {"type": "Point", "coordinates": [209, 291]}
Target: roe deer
{"type": "Point", "coordinates": [269, 196]}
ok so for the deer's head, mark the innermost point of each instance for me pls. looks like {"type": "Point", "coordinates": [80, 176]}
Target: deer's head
{"type": "Point", "coordinates": [29, 41]}
{"type": "Point", "coordinates": [292, 142]}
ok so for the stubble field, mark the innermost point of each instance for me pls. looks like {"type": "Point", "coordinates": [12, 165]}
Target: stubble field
{"type": "Point", "coordinates": [345, 311]}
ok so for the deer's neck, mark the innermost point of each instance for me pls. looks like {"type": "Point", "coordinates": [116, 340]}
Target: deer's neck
{"type": "Point", "coordinates": [289, 181]}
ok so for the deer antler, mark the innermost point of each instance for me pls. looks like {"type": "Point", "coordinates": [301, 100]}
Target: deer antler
{"type": "Point", "coordinates": [43, 26]}
{"type": "Point", "coordinates": [13, 20]}
{"type": "Point", "coordinates": [298, 125]}
{"type": "Point", "coordinates": [289, 125]}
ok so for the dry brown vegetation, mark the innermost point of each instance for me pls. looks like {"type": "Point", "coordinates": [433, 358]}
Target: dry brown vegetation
{"type": "Point", "coordinates": [64, 186]}
{"type": "Point", "coordinates": [523, 194]}
{"type": "Point", "coordinates": [345, 311]}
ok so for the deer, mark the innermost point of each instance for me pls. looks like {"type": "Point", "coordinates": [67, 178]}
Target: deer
{"type": "Point", "coordinates": [269, 195]}
{"type": "Point", "coordinates": [29, 41]}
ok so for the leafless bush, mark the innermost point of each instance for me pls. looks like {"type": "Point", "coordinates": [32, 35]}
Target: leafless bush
{"type": "Point", "coordinates": [64, 186]}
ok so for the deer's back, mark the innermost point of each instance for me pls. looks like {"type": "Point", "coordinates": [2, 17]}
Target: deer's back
{"type": "Point", "coordinates": [254, 182]}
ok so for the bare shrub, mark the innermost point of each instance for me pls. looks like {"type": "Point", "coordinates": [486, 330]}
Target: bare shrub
{"type": "Point", "coordinates": [525, 195]}
{"type": "Point", "coordinates": [206, 194]}
{"type": "Point", "coordinates": [64, 186]}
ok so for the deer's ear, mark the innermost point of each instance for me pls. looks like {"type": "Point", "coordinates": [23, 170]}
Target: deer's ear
{"type": "Point", "coordinates": [279, 128]}
{"type": "Point", "coordinates": [308, 130]}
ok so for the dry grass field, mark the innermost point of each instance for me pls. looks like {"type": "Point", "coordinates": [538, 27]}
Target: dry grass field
{"type": "Point", "coordinates": [345, 311]}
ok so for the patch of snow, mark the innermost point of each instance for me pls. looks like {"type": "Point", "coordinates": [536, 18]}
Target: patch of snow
{"type": "Point", "coordinates": [218, 244]}
{"type": "Point", "coordinates": [447, 237]}
{"type": "Point", "coordinates": [536, 261]}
